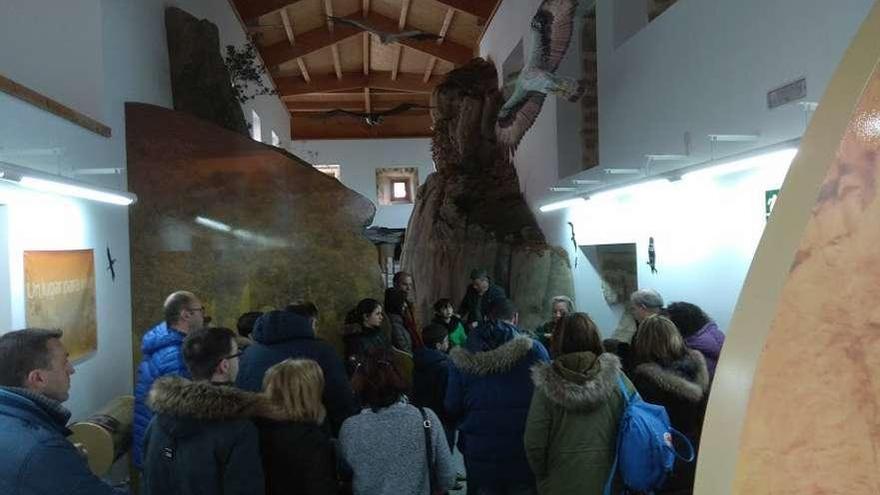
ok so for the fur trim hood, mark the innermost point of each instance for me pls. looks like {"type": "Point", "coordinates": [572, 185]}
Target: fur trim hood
{"type": "Point", "coordinates": [499, 360]}
{"type": "Point", "coordinates": [204, 401]}
{"type": "Point", "coordinates": [687, 378]}
{"type": "Point", "coordinates": [578, 381]}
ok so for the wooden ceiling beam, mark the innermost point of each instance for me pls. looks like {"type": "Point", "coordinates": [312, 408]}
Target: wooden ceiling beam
{"type": "Point", "coordinates": [367, 41]}
{"type": "Point", "coordinates": [411, 83]}
{"type": "Point", "coordinates": [356, 106]}
{"type": "Point", "coordinates": [354, 97]}
{"type": "Point", "coordinates": [304, 127]}
{"type": "Point", "coordinates": [404, 13]}
{"type": "Point", "coordinates": [365, 8]}
{"type": "Point", "coordinates": [251, 9]}
{"type": "Point", "coordinates": [317, 39]}
{"type": "Point", "coordinates": [482, 9]}
{"type": "Point", "coordinates": [304, 70]}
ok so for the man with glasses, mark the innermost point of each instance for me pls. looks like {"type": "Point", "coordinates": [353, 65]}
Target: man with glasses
{"type": "Point", "coordinates": [201, 439]}
{"type": "Point", "coordinates": [160, 348]}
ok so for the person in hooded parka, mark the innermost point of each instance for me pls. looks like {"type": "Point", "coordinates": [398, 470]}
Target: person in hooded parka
{"type": "Point", "coordinates": [571, 430]}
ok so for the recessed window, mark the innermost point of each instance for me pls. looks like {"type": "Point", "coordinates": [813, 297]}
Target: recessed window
{"type": "Point", "coordinates": [331, 170]}
{"type": "Point", "coordinates": [399, 189]}
{"type": "Point", "coordinates": [396, 185]}
{"type": "Point", "coordinates": [256, 130]}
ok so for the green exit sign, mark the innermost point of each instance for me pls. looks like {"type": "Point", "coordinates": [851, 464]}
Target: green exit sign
{"type": "Point", "coordinates": [770, 201]}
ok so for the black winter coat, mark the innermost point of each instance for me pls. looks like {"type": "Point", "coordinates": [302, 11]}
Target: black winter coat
{"type": "Point", "coordinates": [475, 307]}
{"type": "Point", "coordinates": [201, 440]}
{"type": "Point", "coordinates": [298, 459]}
{"type": "Point", "coordinates": [359, 340]}
{"type": "Point", "coordinates": [430, 377]}
{"type": "Point", "coordinates": [279, 335]}
{"type": "Point", "coordinates": [682, 388]}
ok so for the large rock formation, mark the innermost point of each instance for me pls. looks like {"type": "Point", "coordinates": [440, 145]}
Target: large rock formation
{"type": "Point", "coordinates": [200, 82]}
{"type": "Point", "coordinates": [471, 213]}
{"type": "Point", "coordinates": [244, 225]}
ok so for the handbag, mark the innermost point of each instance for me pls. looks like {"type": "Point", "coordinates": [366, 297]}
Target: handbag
{"type": "Point", "coordinates": [429, 450]}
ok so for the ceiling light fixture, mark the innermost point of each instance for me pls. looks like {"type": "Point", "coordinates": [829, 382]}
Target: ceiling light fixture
{"type": "Point", "coordinates": [563, 189]}
{"type": "Point", "coordinates": [585, 182]}
{"type": "Point", "coordinates": [623, 171]}
{"type": "Point", "coordinates": [733, 138]}
{"type": "Point", "coordinates": [57, 184]}
{"type": "Point", "coordinates": [560, 205]}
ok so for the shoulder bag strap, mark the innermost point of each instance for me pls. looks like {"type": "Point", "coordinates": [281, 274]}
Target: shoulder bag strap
{"type": "Point", "coordinates": [429, 447]}
{"type": "Point", "coordinates": [624, 391]}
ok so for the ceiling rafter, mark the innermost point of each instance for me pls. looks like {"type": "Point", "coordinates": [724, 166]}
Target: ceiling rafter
{"type": "Point", "coordinates": [312, 41]}
{"type": "Point", "coordinates": [482, 9]}
{"type": "Point", "coordinates": [411, 83]}
{"type": "Point", "coordinates": [432, 62]}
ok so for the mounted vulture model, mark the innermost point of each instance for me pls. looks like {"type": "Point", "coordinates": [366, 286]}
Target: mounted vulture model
{"type": "Point", "coordinates": [552, 28]}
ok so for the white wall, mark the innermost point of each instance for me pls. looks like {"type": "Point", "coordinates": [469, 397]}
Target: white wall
{"type": "Point", "coordinates": [358, 161]}
{"type": "Point", "coordinates": [702, 67]}
{"type": "Point", "coordinates": [92, 55]}
{"type": "Point", "coordinates": [48, 222]}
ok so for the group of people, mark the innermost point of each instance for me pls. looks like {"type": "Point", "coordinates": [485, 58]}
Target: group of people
{"type": "Point", "coordinates": [274, 409]}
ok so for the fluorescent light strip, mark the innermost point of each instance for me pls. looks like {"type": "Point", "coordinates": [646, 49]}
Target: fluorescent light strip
{"type": "Point", "coordinates": [57, 187]}
{"type": "Point", "coordinates": [563, 189]}
{"type": "Point", "coordinates": [560, 205]}
{"type": "Point", "coordinates": [666, 158]}
{"type": "Point", "coordinates": [57, 184]}
{"type": "Point", "coordinates": [733, 138]}
{"type": "Point", "coordinates": [585, 182]}
{"type": "Point", "coordinates": [623, 171]}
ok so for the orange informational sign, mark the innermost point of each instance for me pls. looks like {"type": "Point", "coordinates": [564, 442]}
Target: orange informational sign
{"type": "Point", "coordinates": [60, 291]}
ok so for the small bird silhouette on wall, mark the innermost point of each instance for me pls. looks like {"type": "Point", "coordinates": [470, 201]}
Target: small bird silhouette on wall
{"type": "Point", "coordinates": [575, 242]}
{"type": "Point", "coordinates": [111, 264]}
{"type": "Point", "coordinates": [652, 255]}
{"type": "Point", "coordinates": [386, 37]}
{"type": "Point", "coordinates": [373, 118]}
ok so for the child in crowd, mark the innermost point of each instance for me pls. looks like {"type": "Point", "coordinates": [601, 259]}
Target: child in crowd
{"type": "Point", "coordinates": [444, 314]}
{"type": "Point", "coordinates": [431, 373]}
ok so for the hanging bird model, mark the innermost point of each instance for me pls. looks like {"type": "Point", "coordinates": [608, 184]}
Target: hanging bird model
{"type": "Point", "coordinates": [575, 242]}
{"type": "Point", "coordinates": [374, 118]}
{"type": "Point", "coordinates": [111, 264]}
{"type": "Point", "coordinates": [385, 37]}
{"type": "Point", "coordinates": [552, 28]}
{"type": "Point", "coordinates": [652, 255]}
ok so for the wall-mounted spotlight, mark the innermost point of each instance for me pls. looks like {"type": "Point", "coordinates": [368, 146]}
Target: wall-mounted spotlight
{"type": "Point", "coordinates": [623, 171]}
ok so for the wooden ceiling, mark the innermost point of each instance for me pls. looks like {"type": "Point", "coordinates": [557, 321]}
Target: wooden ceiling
{"type": "Point", "coordinates": [318, 65]}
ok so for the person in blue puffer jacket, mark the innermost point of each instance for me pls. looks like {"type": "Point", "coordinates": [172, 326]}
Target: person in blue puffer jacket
{"type": "Point", "coordinates": [160, 347]}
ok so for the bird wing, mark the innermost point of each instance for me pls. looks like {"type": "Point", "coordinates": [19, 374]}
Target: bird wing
{"type": "Point", "coordinates": [338, 112]}
{"type": "Point", "coordinates": [517, 117]}
{"type": "Point", "coordinates": [417, 35]}
{"type": "Point", "coordinates": [403, 107]}
{"type": "Point", "coordinates": [552, 28]}
{"type": "Point", "coordinates": [355, 23]}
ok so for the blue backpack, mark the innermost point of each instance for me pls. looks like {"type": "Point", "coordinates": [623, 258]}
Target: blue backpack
{"type": "Point", "coordinates": [645, 452]}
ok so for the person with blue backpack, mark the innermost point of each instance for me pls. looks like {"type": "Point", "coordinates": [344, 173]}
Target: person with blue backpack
{"type": "Point", "coordinates": [572, 427]}
{"type": "Point", "coordinates": [667, 373]}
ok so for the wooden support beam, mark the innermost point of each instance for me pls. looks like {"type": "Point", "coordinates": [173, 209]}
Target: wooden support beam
{"type": "Point", "coordinates": [304, 70]}
{"type": "Point", "coordinates": [328, 12]}
{"type": "Point", "coordinates": [337, 63]}
{"type": "Point", "coordinates": [404, 13]}
{"type": "Point", "coordinates": [482, 9]}
{"type": "Point", "coordinates": [367, 103]}
{"type": "Point", "coordinates": [317, 39]}
{"type": "Point", "coordinates": [47, 104]}
{"type": "Point", "coordinates": [366, 8]}
{"type": "Point", "coordinates": [398, 126]}
{"type": "Point", "coordinates": [351, 106]}
{"type": "Point", "coordinates": [251, 9]}
{"type": "Point", "coordinates": [306, 43]}
{"type": "Point", "coordinates": [447, 23]}
{"type": "Point", "coordinates": [429, 70]}
{"type": "Point", "coordinates": [395, 65]}
{"type": "Point", "coordinates": [410, 83]}
{"type": "Point", "coordinates": [288, 27]}
{"type": "Point", "coordinates": [367, 38]}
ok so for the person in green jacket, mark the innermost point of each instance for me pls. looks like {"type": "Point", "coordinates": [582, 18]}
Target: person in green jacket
{"type": "Point", "coordinates": [444, 314]}
{"type": "Point", "coordinates": [571, 430]}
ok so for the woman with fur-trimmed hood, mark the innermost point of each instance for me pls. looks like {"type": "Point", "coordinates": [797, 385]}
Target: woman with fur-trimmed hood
{"type": "Point", "coordinates": [669, 374]}
{"type": "Point", "coordinates": [571, 431]}
{"type": "Point", "coordinates": [488, 395]}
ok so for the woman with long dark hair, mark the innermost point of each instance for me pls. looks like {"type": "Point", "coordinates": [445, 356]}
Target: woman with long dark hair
{"type": "Point", "coordinates": [404, 334]}
{"type": "Point", "coordinates": [363, 331]}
